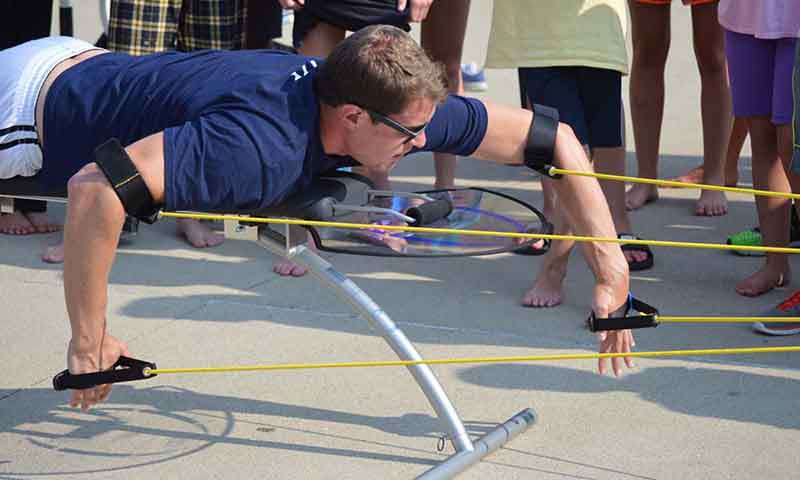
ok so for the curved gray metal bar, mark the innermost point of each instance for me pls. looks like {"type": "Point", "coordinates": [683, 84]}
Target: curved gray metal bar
{"type": "Point", "coordinates": [468, 452]}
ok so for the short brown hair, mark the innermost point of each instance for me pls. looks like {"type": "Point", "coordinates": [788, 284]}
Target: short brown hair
{"type": "Point", "coordinates": [381, 68]}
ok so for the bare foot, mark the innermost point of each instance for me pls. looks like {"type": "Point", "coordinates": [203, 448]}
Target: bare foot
{"type": "Point", "coordinates": [711, 204]}
{"type": "Point", "coordinates": [547, 290]}
{"type": "Point", "coordinates": [762, 282]}
{"type": "Point", "coordinates": [54, 254]}
{"type": "Point", "coordinates": [198, 234]}
{"type": "Point", "coordinates": [42, 223]}
{"type": "Point", "coordinates": [16, 224]}
{"type": "Point", "coordinates": [694, 175]}
{"type": "Point", "coordinates": [634, 256]}
{"type": "Point", "coordinates": [287, 268]}
{"type": "Point", "coordinates": [640, 195]}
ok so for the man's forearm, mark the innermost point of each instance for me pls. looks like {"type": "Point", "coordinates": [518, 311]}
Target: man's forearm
{"type": "Point", "coordinates": [581, 198]}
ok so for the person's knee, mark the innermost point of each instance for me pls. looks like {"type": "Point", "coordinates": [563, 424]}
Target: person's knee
{"type": "Point", "coordinates": [91, 187]}
{"type": "Point", "coordinates": [650, 51]}
{"type": "Point", "coordinates": [711, 61]}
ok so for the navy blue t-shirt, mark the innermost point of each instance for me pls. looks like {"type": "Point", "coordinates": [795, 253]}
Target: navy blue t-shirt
{"type": "Point", "coordinates": [241, 128]}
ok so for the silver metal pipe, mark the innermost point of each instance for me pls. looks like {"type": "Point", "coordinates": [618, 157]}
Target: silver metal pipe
{"type": "Point", "coordinates": [391, 333]}
{"type": "Point", "coordinates": [484, 446]}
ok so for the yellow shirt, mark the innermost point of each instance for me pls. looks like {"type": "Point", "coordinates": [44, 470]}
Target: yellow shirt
{"type": "Point", "coordinates": [551, 33]}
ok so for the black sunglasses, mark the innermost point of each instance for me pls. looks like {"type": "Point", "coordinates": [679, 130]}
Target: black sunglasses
{"type": "Point", "coordinates": [410, 132]}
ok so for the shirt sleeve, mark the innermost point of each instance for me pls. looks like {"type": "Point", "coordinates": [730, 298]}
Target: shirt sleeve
{"type": "Point", "coordinates": [227, 161]}
{"type": "Point", "coordinates": [457, 127]}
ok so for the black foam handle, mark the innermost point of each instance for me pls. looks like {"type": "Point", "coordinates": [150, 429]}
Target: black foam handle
{"type": "Point", "coordinates": [430, 212]}
{"type": "Point", "coordinates": [132, 369]}
{"type": "Point", "coordinates": [622, 323]}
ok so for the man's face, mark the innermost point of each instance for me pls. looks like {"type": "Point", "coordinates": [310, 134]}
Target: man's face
{"type": "Point", "coordinates": [380, 141]}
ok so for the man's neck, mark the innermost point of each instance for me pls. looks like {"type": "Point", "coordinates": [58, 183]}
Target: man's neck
{"type": "Point", "coordinates": [330, 132]}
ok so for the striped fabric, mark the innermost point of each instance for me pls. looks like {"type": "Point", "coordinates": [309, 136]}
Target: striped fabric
{"type": "Point", "coordinates": [140, 27]}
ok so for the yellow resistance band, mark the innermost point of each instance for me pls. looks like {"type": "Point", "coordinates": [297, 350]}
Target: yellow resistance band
{"type": "Point", "coordinates": [453, 361]}
{"type": "Point", "coordinates": [487, 233]}
{"type": "Point", "coordinates": [672, 183]}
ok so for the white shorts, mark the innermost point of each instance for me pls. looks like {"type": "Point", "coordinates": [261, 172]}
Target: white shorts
{"type": "Point", "coordinates": [23, 70]}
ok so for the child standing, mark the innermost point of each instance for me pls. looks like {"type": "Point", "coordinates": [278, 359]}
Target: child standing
{"type": "Point", "coordinates": [760, 40]}
{"type": "Point", "coordinates": [571, 56]}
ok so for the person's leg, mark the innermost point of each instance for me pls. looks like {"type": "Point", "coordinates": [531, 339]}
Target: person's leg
{"type": "Point", "coordinates": [773, 213]}
{"type": "Point", "coordinates": [769, 84]}
{"type": "Point", "coordinates": [601, 95]}
{"type": "Point", "coordinates": [715, 104]}
{"type": "Point", "coordinates": [548, 287]}
{"type": "Point", "coordinates": [735, 144]}
{"type": "Point", "coordinates": [26, 21]}
{"type": "Point", "coordinates": [733, 151]}
{"type": "Point", "coordinates": [317, 42]}
{"type": "Point", "coordinates": [443, 38]}
{"type": "Point", "coordinates": [264, 21]}
{"type": "Point", "coordinates": [321, 40]}
{"type": "Point", "coordinates": [651, 38]}
{"type": "Point", "coordinates": [555, 87]}
{"type": "Point", "coordinates": [215, 25]}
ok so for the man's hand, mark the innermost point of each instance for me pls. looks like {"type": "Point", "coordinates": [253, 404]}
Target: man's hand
{"type": "Point", "coordinates": [292, 4]}
{"type": "Point", "coordinates": [419, 8]}
{"type": "Point", "coordinates": [606, 301]}
{"type": "Point", "coordinates": [91, 361]}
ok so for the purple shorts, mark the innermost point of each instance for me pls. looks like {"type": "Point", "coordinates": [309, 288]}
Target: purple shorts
{"type": "Point", "coordinates": [760, 71]}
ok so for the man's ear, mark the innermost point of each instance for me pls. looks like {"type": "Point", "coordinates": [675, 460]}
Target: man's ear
{"type": "Point", "coordinates": [351, 115]}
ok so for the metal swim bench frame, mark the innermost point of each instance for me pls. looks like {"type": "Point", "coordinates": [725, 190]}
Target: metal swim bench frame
{"type": "Point", "coordinates": [353, 190]}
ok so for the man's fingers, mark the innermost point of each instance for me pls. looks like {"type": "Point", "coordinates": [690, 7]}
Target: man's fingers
{"type": "Point", "coordinates": [401, 5]}
{"type": "Point", "coordinates": [103, 392]}
{"type": "Point", "coordinates": [629, 343]}
{"type": "Point", "coordinates": [88, 399]}
{"type": "Point", "coordinates": [605, 347]}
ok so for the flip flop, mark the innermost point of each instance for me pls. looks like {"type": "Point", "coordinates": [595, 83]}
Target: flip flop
{"type": "Point", "coordinates": [546, 228]}
{"type": "Point", "coordinates": [633, 265]}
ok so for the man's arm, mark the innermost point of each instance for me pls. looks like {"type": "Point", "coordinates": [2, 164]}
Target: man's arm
{"type": "Point", "coordinates": [94, 219]}
{"type": "Point", "coordinates": [582, 201]}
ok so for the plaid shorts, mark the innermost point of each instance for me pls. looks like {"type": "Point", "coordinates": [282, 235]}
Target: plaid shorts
{"type": "Point", "coordinates": [140, 27]}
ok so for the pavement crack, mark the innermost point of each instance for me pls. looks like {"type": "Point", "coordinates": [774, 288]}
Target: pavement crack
{"type": "Point", "coordinates": [10, 394]}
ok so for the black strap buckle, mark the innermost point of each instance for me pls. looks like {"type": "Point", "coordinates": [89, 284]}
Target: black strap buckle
{"type": "Point", "coordinates": [124, 370]}
{"type": "Point", "coordinates": [646, 316]}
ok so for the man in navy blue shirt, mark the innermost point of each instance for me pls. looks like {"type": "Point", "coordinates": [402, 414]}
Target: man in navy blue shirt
{"type": "Point", "coordinates": [239, 131]}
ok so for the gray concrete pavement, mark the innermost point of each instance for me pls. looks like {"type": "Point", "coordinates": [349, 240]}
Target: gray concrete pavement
{"type": "Point", "coordinates": [697, 417]}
